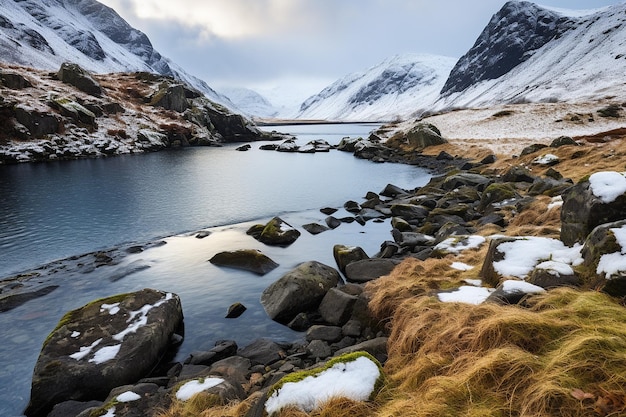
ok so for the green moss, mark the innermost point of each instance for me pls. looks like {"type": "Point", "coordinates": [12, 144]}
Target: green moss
{"type": "Point", "coordinates": [70, 315]}
{"type": "Point", "coordinates": [348, 357]}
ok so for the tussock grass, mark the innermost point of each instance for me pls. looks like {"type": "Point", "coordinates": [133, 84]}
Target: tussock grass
{"type": "Point", "coordinates": [536, 220]}
{"type": "Point", "coordinates": [562, 355]}
{"type": "Point", "coordinates": [208, 405]}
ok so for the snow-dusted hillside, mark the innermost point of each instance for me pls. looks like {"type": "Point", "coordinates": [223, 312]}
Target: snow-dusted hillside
{"type": "Point", "coordinates": [396, 88]}
{"type": "Point", "coordinates": [531, 53]}
{"type": "Point", "coordinates": [250, 102]}
{"type": "Point", "coordinates": [45, 33]}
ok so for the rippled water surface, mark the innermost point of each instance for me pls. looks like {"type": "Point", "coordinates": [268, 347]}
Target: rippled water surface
{"type": "Point", "coordinates": [61, 209]}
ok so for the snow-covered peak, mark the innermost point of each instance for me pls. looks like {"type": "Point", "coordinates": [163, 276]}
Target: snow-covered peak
{"type": "Point", "coordinates": [397, 87]}
{"type": "Point", "coordinates": [573, 12]}
{"type": "Point", "coordinates": [512, 36]}
{"type": "Point", "coordinates": [45, 33]}
{"type": "Point", "coordinates": [532, 54]}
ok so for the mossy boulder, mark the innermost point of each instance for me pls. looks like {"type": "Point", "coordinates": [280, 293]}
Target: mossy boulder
{"type": "Point", "coordinates": [345, 255]}
{"type": "Point", "coordinates": [276, 232]}
{"type": "Point", "coordinates": [605, 258]}
{"type": "Point", "coordinates": [495, 193]}
{"type": "Point", "coordinates": [423, 135]}
{"type": "Point", "coordinates": [246, 259]}
{"type": "Point", "coordinates": [357, 376]}
{"type": "Point", "coordinates": [105, 344]}
{"type": "Point", "coordinates": [75, 75]}
{"type": "Point", "coordinates": [582, 211]}
{"type": "Point", "coordinates": [70, 108]}
{"type": "Point", "coordinates": [170, 97]}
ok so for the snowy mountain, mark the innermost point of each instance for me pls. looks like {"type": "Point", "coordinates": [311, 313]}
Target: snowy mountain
{"type": "Point", "coordinates": [395, 88]}
{"type": "Point", "coordinates": [529, 53]}
{"type": "Point", "coordinates": [45, 33]}
{"type": "Point", "coordinates": [250, 102]}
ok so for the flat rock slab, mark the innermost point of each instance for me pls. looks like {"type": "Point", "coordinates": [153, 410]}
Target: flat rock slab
{"type": "Point", "coordinates": [369, 269]}
{"type": "Point", "coordinates": [247, 259]}
{"type": "Point", "coordinates": [105, 344]}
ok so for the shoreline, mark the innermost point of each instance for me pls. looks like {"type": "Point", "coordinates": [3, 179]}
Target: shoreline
{"type": "Point", "coordinates": [575, 162]}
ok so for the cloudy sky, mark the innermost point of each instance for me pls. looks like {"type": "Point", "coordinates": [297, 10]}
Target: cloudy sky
{"type": "Point", "coordinates": [294, 48]}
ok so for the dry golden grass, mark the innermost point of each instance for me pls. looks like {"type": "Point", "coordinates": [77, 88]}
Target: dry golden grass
{"type": "Point", "coordinates": [208, 405]}
{"type": "Point", "coordinates": [564, 355]}
{"type": "Point", "coordinates": [536, 220]}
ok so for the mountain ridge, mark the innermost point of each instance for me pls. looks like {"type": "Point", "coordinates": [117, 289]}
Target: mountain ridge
{"type": "Point", "coordinates": [45, 33]}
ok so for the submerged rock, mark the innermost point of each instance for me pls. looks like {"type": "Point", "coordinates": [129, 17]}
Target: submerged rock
{"type": "Point", "coordinates": [247, 259]}
{"type": "Point", "coordinates": [275, 232]}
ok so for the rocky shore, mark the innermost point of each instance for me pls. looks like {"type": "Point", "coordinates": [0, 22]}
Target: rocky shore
{"type": "Point", "coordinates": [71, 114]}
{"type": "Point", "coordinates": [528, 227]}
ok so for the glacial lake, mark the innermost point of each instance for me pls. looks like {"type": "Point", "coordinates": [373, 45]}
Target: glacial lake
{"type": "Point", "coordinates": [52, 211]}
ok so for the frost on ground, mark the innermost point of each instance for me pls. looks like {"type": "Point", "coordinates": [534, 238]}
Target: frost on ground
{"type": "Point", "coordinates": [458, 244]}
{"type": "Point", "coordinates": [354, 379]}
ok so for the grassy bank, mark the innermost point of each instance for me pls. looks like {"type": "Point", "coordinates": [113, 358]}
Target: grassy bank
{"type": "Point", "coordinates": [560, 353]}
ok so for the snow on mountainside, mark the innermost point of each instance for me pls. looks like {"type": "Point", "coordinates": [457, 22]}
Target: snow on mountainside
{"type": "Point", "coordinates": [45, 33]}
{"type": "Point", "coordinates": [395, 88]}
{"type": "Point", "coordinates": [250, 102]}
{"type": "Point", "coordinates": [532, 54]}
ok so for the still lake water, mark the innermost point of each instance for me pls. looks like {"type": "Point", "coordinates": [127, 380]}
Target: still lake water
{"type": "Point", "coordinates": [56, 210]}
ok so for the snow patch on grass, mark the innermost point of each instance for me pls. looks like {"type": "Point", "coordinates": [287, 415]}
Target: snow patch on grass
{"type": "Point", "coordinates": [460, 266]}
{"type": "Point", "coordinates": [191, 388]}
{"type": "Point", "coordinates": [466, 294]}
{"type": "Point", "coordinates": [354, 379]}
{"type": "Point", "coordinates": [524, 254]}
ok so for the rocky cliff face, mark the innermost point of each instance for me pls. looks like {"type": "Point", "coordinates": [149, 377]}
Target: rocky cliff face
{"type": "Point", "coordinates": [529, 53]}
{"type": "Point", "coordinates": [511, 37]}
{"type": "Point", "coordinates": [72, 114]}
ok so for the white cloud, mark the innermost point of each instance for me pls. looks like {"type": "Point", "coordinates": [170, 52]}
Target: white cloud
{"type": "Point", "coordinates": [221, 18]}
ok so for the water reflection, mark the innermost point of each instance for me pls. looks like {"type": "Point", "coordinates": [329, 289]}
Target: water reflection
{"type": "Point", "coordinates": [50, 211]}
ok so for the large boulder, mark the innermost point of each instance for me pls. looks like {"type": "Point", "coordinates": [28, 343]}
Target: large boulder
{"type": "Point", "coordinates": [246, 259]}
{"type": "Point", "coordinates": [73, 74]}
{"type": "Point", "coordinates": [424, 135]}
{"type": "Point", "coordinates": [588, 204]}
{"type": "Point", "coordinates": [299, 290]}
{"type": "Point", "coordinates": [171, 97]}
{"type": "Point", "coordinates": [37, 123]}
{"type": "Point", "coordinates": [103, 345]}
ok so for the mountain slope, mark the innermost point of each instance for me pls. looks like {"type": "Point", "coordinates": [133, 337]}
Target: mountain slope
{"type": "Point", "coordinates": [530, 53]}
{"type": "Point", "coordinates": [395, 88]}
{"type": "Point", "coordinates": [250, 102]}
{"type": "Point", "coordinates": [45, 33]}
